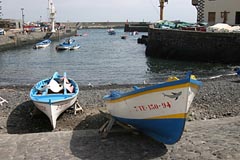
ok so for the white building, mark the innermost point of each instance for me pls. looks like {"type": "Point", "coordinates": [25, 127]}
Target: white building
{"type": "Point", "coordinates": [9, 24]}
{"type": "Point", "coordinates": [218, 11]}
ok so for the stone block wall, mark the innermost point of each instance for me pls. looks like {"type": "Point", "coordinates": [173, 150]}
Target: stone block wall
{"type": "Point", "coordinates": [195, 46]}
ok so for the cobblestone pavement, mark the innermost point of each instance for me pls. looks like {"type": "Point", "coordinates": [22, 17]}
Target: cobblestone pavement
{"type": "Point", "coordinates": [206, 139]}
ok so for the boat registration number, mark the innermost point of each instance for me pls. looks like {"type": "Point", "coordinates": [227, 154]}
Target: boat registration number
{"type": "Point", "coordinates": [150, 107]}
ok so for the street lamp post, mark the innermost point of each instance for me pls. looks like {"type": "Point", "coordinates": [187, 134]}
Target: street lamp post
{"type": "Point", "coordinates": [162, 7]}
{"type": "Point", "coordinates": [22, 19]}
{"type": "Point", "coordinates": [0, 10]}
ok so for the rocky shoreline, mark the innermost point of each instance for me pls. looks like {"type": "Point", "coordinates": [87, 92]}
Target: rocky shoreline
{"type": "Point", "coordinates": [217, 98]}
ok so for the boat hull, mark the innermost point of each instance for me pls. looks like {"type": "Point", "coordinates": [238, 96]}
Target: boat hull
{"type": "Point", "coordinates": [63, 47]}
{"type": "Point", "coordinates": [75, 47]}
{"type": "Point", "coordinates": [54, 110]}
{"type": "Point", "coordinates": [170, 129]}
{"type": "Point", "coordinates": [159, 111]}
{"type": "Point", "coordinates": [42, 44]}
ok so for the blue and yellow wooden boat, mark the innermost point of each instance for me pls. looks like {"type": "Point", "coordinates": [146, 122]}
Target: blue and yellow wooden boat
{"type": "Point", "coordinates": [159, 111]}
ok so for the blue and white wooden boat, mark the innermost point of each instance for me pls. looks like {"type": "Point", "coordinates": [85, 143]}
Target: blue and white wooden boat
{"type": "Point", "coordinates": [54, 95]}
{"type": "Point", "coordinates": [68, 44]}
{"type": "Point", "coordinates": [158, 111]}
{"type": "Point", "coordinates": [42, 44]}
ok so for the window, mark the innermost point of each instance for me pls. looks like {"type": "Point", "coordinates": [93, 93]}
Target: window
{"type": "Point", "coordinates": [237, 18]}
{"type": "Point", "coordinates": [211, 18]}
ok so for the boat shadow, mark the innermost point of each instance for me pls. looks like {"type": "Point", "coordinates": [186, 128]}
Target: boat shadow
{"type": "Point", "coordinates": [119, 144]}
{"type": "Point", "coordinates": [236, 81]}
{"type": "Point", "coordinates": [21, 121]}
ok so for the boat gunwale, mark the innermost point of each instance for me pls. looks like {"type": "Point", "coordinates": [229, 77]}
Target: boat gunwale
{"type": "Point", "coordinates": [125, 95]}
{"type": "Point", "coordinates": [37, 98]}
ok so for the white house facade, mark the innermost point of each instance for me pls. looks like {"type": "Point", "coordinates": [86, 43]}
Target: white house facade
{"type": "Point", "coordinates": [218, 11]}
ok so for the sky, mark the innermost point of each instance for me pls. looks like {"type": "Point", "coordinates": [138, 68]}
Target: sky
{"type": "Point", "coordinates": [100, 10]}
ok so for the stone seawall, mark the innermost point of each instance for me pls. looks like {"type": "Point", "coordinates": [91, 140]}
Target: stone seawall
{"type": "Point", "coordinates": [191, 45]}
{"type": "Point", "coordinates": [10, 41]}
{"type": "Point", "coordinates": [140, 27]}
{"type": "Point", "coordinates": [93, 25]}
{"type": "Point", "coordinates": [128, 26]}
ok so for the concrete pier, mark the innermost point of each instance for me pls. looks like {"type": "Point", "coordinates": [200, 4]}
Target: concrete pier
{"type": "Point", "coordinates": [14, 40]}
{"type": "Point", "coordinates": [209, 139]}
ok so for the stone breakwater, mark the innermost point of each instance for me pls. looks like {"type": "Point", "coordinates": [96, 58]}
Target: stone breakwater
{"type": "Point", "coordinates": [11, 40]}
{"type": "Point", "coordinates": [193, 45]}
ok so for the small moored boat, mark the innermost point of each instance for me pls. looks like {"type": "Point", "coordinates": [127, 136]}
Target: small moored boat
{"type": "Point", "coordinates": [68, 44]}
{"type": "Point", "coordinates": [123, 37]}
{"type": "Point", "coordinates": [158, 111]}
{"type": "Point", "coordinates": [111, 31]}
{"type": "Point", "coordinates": [54, 95]}
{"type": "Point", "coordinates": [42, 44]}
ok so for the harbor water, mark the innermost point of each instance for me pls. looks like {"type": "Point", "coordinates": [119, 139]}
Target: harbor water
{"type": "Point", "coordinates": [102, 59]}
